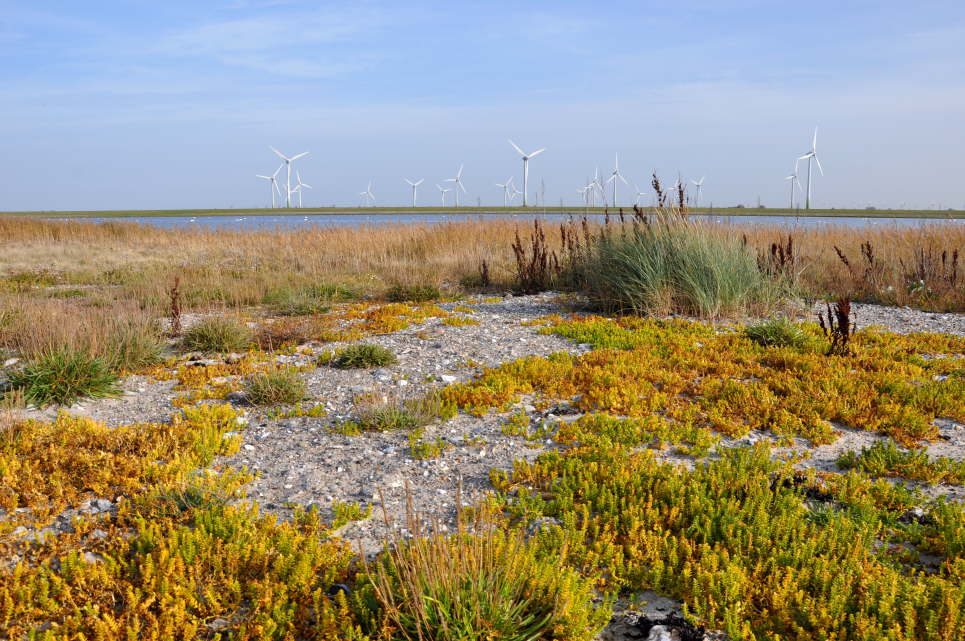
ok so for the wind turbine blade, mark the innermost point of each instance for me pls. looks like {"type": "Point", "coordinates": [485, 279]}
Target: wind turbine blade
{"type": "Point", "coordinates": [611, 179]}
{"type": "Point", "coordinates": [461, 186]}
{"type": "Point", "coordinates": [304, 185]}
{"type": "Point", "coordinates": [536, 153]}
{"type": "Point", "coordinates": [420, 181]}
{"type": "Point", "coordinates": [260, 176]}
{"type": "Point", "coordinates": [280, 155]}
{"type": "Point", "coordinates": [521, 152]}
{"type": "Point", "coordinates": [620, 176]}
{"type": "Point", "coordinates": [277, 170]}
{"type": "Point", "coordinates": [459, 173]}
{"type": "Point", "coordinates": [821, 169]}
{"type": "Point", "coordinates": [805, 156]}
{"type": "Point", "coordinates": [814, 141]}
{"type": "Point", "coordinates": [301, 155]}
{"type": "Point", "coordinates": [409, 181]}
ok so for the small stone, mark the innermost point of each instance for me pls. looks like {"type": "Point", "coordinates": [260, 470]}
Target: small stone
{"type": "Point", "coordinates": [237, 397]}
{"type": "Point", "coordinates": [10, 362]}
{"type": "Point", "coordinates": [90, 557]}
{"type": "Point", "coordinates": [98, 534]}
{"type": "Point", "coordinates": [402, 382]}
{"type": "Point", "coordinates": [103, 505]}
{"type": "Point", "coordinates": [218, 624]}
{"type": "Point", "coordinates": [447, 378]}
{"type": "Point", "coordinates": [249, 447]}
{"type": "Point", "coordinates": [659, 633]}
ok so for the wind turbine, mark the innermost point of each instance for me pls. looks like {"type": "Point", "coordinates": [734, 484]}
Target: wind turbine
{"type": "Point", "coordinates": [288, 163]}
{"type": "Point", "coordinates": [636, 197]}
{"type": "Point", "coordinates": [698, 184]}
{"type": "Point", "coordinates": [586, 192]}
{"type": "Point", "coordinates": [365, 195]}
{"type": "Point", "coordinates": [458, 185]}
{"type": "Point", "coordinates": [813, 153]}
{"type": "Point", "coordinates": [505, 187]}
{"type": "Point", "coordinates": [443, 191]}
{"type": "Point", "coordinates": [415, 186]}
{"type": "Point", "coordinates": [513, 192]}
{"type": "Point", "coordinates": [793, 178]}
{"type": "Point", "coordinates": [526, 158]}
{"type": "Point", "coordinates": [613, 177]}
{"type": "Point", "coordinates": [274, 184]}
{"type": "Point", "coordinates": [299, 187]}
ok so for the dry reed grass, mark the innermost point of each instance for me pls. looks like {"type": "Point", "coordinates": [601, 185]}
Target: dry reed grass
{"type": "Point", "coordinates": [134, 263]}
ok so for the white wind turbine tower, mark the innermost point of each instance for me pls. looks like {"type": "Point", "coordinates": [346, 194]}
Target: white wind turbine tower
{"type": "Point", "coordinates": [813, 153]}
{"type": "Point", "coordinates": [613, 177]}
{"type": "Point", "coordinates": [793, 178]}
{"type": "Point", "coordinates": [698, 184]}
{"type": "Point", "coordinates": [365, 195]}
{"type": "Point", "coordinates": [274, 184]}
{"type": "Point", "coordinates": [288, 163]}
{"type": "Point", "coordinates": [443, 191]}
{"type": "Point", "coordinates": [415, 186]}
{"type": "Point", "coordinates": [526, 158]}
{"type": "Point", "coordinates": [458, 185]}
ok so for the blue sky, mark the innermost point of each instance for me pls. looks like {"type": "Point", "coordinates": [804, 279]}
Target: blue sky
{"type": "Point", "coordinates": [117, 105]}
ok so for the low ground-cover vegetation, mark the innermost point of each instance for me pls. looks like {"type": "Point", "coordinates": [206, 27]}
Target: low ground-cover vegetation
{"type": "Point", "coordinates": [697, 375]}
{"type": "Point", "coordinates": [887, 459]}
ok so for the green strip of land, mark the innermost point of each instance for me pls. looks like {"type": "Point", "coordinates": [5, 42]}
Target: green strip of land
{"type": "Point", "coordinates": [396, 211]}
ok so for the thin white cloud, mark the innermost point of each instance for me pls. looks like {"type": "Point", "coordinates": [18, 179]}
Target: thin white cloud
{"type": "Point", "coordinates": [306, 45]}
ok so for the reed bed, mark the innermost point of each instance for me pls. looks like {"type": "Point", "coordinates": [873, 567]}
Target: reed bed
{"type": "Point", "coordinates": [110, 263]}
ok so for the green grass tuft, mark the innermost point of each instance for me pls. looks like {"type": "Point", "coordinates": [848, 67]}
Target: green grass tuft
{"type": "Point", "coordinates": [61, 377]}
{"type": "Point", "coordinates": [777, 332]}
{"type": "Point", "coordinates": [362, 356]}
{"type": "Point", "coordinates": [217, 334]}
{"type": "Point", "coordinates": [484, 586]}
{"type": "Point", "coordinates": [674, 267]}
{"type": "Point", "coordinates": [399, 293]}
{"type": "Point", "coordinates": [282, 387]}
{"type": "Point", "coordinates": [306, 300]}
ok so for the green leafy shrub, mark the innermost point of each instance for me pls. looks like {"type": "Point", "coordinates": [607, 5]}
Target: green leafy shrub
{"type": "Point", "coordinates": [400, 293]}
{"type": "Point", "coordinates": [777, 332]}
{"type": "Point", "coordinates": [673, 266]}
{"type": "Point", "coordinates": [217, 334]}
{"type": "Point", "coordinates": [362, 356]}
{"type": "Point", "coordinates": [275, 388]}
{"type": "Point", "coordinates": [483, 586]}
{"type": "Point", "coordinates": [62, 376]}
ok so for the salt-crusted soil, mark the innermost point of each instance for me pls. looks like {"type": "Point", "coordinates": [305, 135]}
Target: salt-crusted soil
{"type": "Point", "coordinates": [301, 461]}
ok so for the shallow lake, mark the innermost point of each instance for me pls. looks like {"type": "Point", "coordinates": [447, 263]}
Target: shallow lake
{"type": "Point", "coordinates": [241, 221]}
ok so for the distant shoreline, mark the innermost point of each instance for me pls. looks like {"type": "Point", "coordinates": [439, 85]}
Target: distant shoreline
{"type": "Point", "coordinates": [482, 211]}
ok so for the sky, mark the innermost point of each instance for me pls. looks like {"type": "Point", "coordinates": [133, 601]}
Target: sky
{"type": "Point", "coordinates": [151, 105]}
